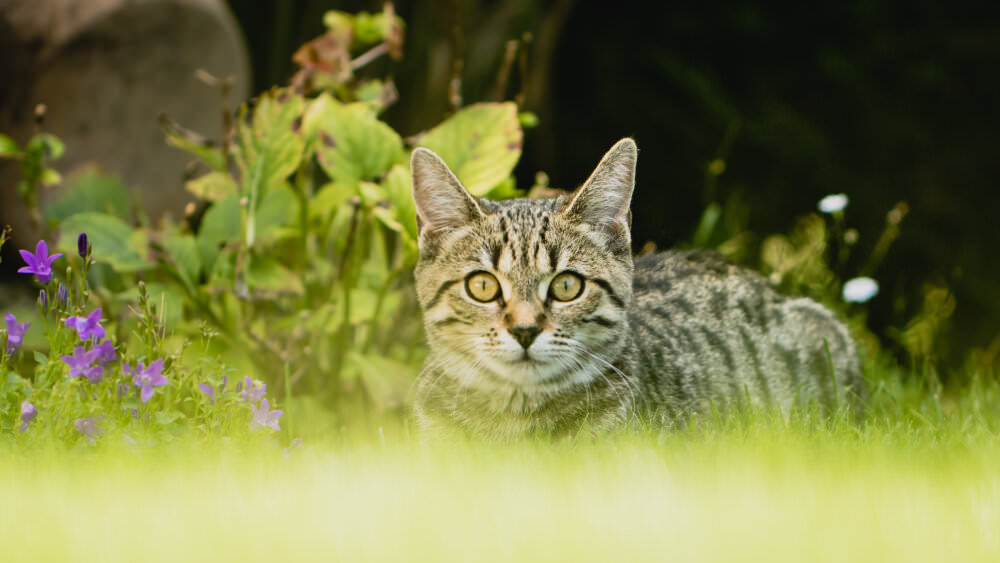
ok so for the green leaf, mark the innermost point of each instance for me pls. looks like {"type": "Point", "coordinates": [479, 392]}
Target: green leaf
{"type": "Point", "coordinates": [183, 254]}
{"type": "Point", "coordinates": [193, 143]}
{"type": "Point", "coordinates": [268, 275]}
{"type": "Point", "coordinates": [212, 186]}
{"type": "Point", "coordinates": [165, 418]}
{"type": "Point", "coordinates": [90, 190]}
{"type": "Point", "coordinates": [50, 177]}
{"type": "Point", "coordinates": [481, 144]}
{"type": "Point", "coordinates": [47, 145]}
{"type": "Point", "coordinates": [220, 225]}
{"type": "Point", "coordinates": [351, 143]}
{"type": "Point", "coordinates": [397, 184]}
{"type": "Point", "coordinates": [8, 148]}
{"type": "Point", "coordinates": [41, 359]}
{"type": "Point", "coordinates": [278, 210]}
{"type": "Point", "coordinates": [269, 142]}
{"type": "Point", "coordinates": [114, 241]}
{"type": "Point", "coordinates": [326, 201]}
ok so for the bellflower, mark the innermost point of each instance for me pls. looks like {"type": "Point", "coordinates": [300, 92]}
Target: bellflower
{"type": "Point", "coordinates": [81, 363]}
{"type": "Point", "coordinates": [264, 416]}
{"type": "Point", "coordinates": [82, 245]}
{"type": "Point", "coordinates": [39, 263]}
{"type": "Point", "coordinates": [89, 426]}
{"type": "Point", "coordinates": [28, 413]}
{"type": "Point", "coordinates": [147, 378]}
{"type": "Point", "coordinates": [253, 391]}
{"type": "Point", "coordinates": [208, 390]}
{"type": "Point", "coordinates": [15, 333]}
{"type": "Point", "coordinates": [87, 327]}
{"type": "Point", "coordinates": [63, 294]}
{"type": "Point", "coordinates": [105, 352]}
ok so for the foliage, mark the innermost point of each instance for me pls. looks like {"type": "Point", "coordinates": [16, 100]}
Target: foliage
{"type": "Point", "coordinates": [293, 266]}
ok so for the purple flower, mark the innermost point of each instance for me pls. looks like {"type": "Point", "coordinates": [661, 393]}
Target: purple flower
{"type": "Point", "coordinates": [105, 352]}
{"type": "Point", "coordinates": [253, 391]}
{"type": "Point", "coordinates": [87, 327]}
{"type": "Point", "coordinates": [39, 263]}
{"type": "Point", "coordinates": [264, 416]}
{"type": "Point", "coordinates": [88, 426]}
{"type": "Point", "coordinates": [15, 333]}
{"type": "Point", "coordinates": [147, 378]}
{"type": "Point", "coordinates": [81, 363]}
{"type": "Point", "coordinates": [63, 294]}
{"type": "Point", "coordinates": [28, 413]}
{"type": "Point", "coordinates": [43, 299]}
{"type": "Point", "coordinates": [82, 246]}
{"type": "Point", "coordinates": [208, 390]}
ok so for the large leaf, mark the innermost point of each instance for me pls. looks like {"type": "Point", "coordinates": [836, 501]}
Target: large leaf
{"type": "Point", "coordinates": [220, 225]}
{"type": "Point", "coordinates": [278, 210]}
{"type": "Point", "coordinates": [212, 186]}
{"type": "Point", "coordinates": [182, 251]}
{"type": "Point", "coordinates": [113, 240]}
{"type": "Point", "coordinates": [90, 190]}
{"type": "Point", "coordinates": [351, 143]}
{"type": "Point", "coordinates": [397, 185]}
{"type": "Point", "coordinates": [481, 144]}
{"type": "Point", "coordinates": [268, 275]}
{"type": "Point", "coordinates": [269, 143]}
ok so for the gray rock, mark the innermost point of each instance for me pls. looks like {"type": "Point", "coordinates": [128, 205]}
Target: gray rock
{"type": "Point", "coordinates": [105, 70]}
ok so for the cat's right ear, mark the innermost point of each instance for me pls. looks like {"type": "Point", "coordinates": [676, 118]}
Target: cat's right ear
{"type": "Point", "coordinates": [442, 201]}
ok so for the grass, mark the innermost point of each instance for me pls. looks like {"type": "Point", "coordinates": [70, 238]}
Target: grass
{"type": "Point", "coordinates": [920, 481]}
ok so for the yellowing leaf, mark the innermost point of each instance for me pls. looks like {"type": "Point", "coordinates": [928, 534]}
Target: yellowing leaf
{"type": "Point", "coordinates": [481, 144]}
{"type": "Point", "coordinates": [351, 143]}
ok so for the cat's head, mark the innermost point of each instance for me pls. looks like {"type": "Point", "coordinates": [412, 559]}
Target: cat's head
{"type": "Point", "coordinates": [525, 292]}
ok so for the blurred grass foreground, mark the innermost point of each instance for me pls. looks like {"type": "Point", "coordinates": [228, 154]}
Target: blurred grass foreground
{"type": "Point", "coordinates": [737, 495]}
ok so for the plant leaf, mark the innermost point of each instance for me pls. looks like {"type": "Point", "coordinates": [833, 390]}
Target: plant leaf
{"type": "Point", "coordinates": [90, 190]}
{"type": "Point", "coordinates": [212, 186]}
{"type": "Point", "coordinates": [114, 241]}
{"type": "Point", "coordinates": [269, 142]}
{"type": "Point", "coordinates": [220, 225]}
{"type": "Point", "coordinates": [8, 148]}
{"type": "Point", "coordinates": [351, 143]}
{"type": "Point", "coordinates": [481, 144]}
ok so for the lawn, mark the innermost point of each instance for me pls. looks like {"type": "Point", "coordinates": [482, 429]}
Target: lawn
{"type": "Point", "coordinates": [919, 481]}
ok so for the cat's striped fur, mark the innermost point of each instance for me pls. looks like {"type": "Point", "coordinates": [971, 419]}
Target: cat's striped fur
{"type": "Point", "coordinates": [675, 334]}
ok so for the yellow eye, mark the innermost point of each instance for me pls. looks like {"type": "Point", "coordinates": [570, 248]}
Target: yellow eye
{"type": "Point", "coordinates": [482, 287]}
{"type": "Point", "coordinates": [567, 286]}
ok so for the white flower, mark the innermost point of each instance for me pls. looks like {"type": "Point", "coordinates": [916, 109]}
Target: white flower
{"type": "Point", "coordinates": [859, 290]}
{"type": "Point", "coordinates": [833, 203]}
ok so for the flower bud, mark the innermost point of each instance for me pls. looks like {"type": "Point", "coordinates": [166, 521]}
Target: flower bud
{"type": "Point", "coordinates": [82, 245]}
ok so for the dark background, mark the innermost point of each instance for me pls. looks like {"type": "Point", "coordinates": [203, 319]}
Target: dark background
{"type": "Point", "coordinates": [885, 101]}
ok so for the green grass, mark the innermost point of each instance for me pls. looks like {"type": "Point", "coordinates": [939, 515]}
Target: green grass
{"type": "Point", "coordinates": [920, 481]}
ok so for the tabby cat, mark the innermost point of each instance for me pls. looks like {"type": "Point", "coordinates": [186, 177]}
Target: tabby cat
{"type": "Point", "coordinates": [539, 320]}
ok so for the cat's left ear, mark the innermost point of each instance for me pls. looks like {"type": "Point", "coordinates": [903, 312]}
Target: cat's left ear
{"type": "Point", "coordinates": [602, 202]}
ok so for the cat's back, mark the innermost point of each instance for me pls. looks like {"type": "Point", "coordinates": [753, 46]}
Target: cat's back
{"type": "Point", "coordinates": [707, 333]}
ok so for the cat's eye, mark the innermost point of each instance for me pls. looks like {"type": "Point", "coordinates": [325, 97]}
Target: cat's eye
{"type": "Point", "coordinates": [567, 286]}
{"type": "Point", "coordinates": [482, 287]}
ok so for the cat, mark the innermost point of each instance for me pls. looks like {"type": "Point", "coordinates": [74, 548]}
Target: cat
{"type": "Point", "coordinates": [539, 320]}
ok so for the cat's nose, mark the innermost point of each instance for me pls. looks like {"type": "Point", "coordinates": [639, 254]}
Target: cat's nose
{"type": "Point", "coordinates": [525, 334]}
